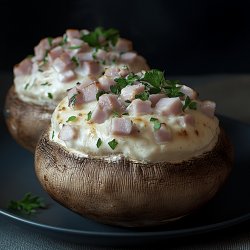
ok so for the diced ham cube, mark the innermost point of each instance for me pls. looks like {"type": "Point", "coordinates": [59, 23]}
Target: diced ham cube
{"type": "Point", "coordinates": [56, 41]}
{"type": "Point", "coordinates": [123, 45]}
{"type": "Point", "coordinates": [63, 63]}
{"type": "Point", "coordinates": [23, 68]}
{"type": "Point", "coordinates": [67, 133]}
{"type": "Point", "coordinates": [54, 53]}
{"type": "Point", "coordinates": [112, 72]}
{"type": "Point", "coordinates": [124, 71]}
{"type": "Point", "coordinates": [188, 92]}
{"type": "Point", "coordinates": [76, 42]}
{"type": "Point", "coordinates": [72, 33]}
{"type": "Point", "coordinates": [121, 126]}
{"type": "Point", "coordinates": [154, 98]}
{"type": "Point", "coordinates": [168, 106]}
{"type": "Point", "coordinates": [41, 49]}
{"type": "Point", "coordinates": [88, 56]}
{"type": "Point", "coordinates": [128, 57]}
{"type": "Point", "coordinates": [208, 108]}
{"type": "Point", "coordinates": [130, 91]}
{"type": "Point", "coordinates": [67, 76]}
{"type": "Point", "coordinates": [90, 92]}
{"type": "Point", "coordinates": [163, 134]}
{"type": "Point", "coordinates": [87, 80]}
{"type": "Point", "coordinates": [112, 56]}
{"type": "Point", "coordinates": [106, 82]}
{"type": "Point", "coordinates": [139, 107]}
{"type": "Point", "coordinates": [99, 115]}
{"type": "Point", "coordinates": [101, 55]}
{"type": "Point", "coordinates": [77, 95]}
{"type": "Point", "coordinates": [110, 102]}
{"type": "Point", "coordinates": [90, 68]}
{"type": "Point", "coordinates": [186, 120]}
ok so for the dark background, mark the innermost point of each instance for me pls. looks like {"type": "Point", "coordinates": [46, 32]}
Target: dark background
{"type": "Point", "coordinates": [181, 37]}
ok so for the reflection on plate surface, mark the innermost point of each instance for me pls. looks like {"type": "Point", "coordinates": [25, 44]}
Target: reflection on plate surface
{"type": "Point", "coordinates": [228, 208]}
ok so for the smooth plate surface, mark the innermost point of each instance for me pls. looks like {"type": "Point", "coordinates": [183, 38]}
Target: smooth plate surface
{"type": "Point", "coordinates": [230, 206]}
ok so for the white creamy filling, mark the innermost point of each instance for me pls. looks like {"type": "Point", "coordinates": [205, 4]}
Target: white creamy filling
{"type": "Point", "coordinates": [195, 141]}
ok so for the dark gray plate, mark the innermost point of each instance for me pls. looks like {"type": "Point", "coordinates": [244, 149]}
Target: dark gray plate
{"type": "Point", "coordinates": [228, 208]}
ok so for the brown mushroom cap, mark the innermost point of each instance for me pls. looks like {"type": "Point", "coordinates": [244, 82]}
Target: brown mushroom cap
{"type": "Point", "coordinates": [26, 121]}
{"type": "Point", "coordinates": [129, 193]}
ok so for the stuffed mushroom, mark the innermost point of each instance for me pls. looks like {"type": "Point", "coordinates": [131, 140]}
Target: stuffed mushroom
{"type": "Point", "coordinates": [58, 64]}
{"type": "Point", "coordinates": [143, 151]}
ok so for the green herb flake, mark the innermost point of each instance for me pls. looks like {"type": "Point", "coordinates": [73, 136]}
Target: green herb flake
{"type": "Point", "coordinates": [125, 113]}
{"type": "Point", "coordinates": [99, 143]}
{"type": "Point", "coordinates": [27, 205]}
{"type": "Point", "coordinates": [143, 96]}
{"type": "Point", "coordinates": [74, 47]}
{"type": "Point", "coordinates": [46, 84]}
{"type": "Point", "coordinates": [189, 104]}
{"type": "Point", "coordinates": [50, 96]}
{"type": "Point", "coordinates": [72, 100]}
{"type": "Point", "coordinates": [50, 41]}
{"type": "Point", "coordinates": [113, 144]}
{"type": "Point", "coordinates": [156, 123]}
{"type": "Point", "coordinates": [116, 114]}
{"type": "Point", "coordinates": [75, 61]}
{"type": "Point", "coordinates": [89, 115]}
{"type": "Point", "coordinates": [53, 134]}
{"type": "Point", "coordinates": [40, 70]}
{"type": "Point", "coordinates": [71, 118]}
{"type": "Point", "coordinates": [26, 86]}
{"type": "Point", "coordinates": [154, 77]}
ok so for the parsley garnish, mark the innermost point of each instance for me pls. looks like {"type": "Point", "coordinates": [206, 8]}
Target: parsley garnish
{"type": "Point", "coordinates": [26, 86]}
{"type": "Point", "coordinates": [75, 61]}
{"type": "Point", "coordinates": [50, 96]}
{"type": "Point", "coordinates": [64, 40]}
{"type": "Point", "coordinates": [50, 41]}
{"type": "Point", "coordinates": [71, 118]}
{"type": "Point", "coordinates": [75, 47]}
{"type": "Point", "coordinates": [113, 144]}
{"type": "Point", "coordinates": [116, 114]}
{"type": "Point", "coordinates": [89, 115]}
{"type": "Point", "coordinates": [27, 205]}
{"type": "Point", "coordinates": [125, 113]}
{"type": "Point", "coordinates": [40, 70]}
{"type": "Point", "coordinates": [53, 134]}
{"type": "Point", "coordinates": [189, 104]}
{"type": "Point", "coordinates": [99, 143]}
{"type": "Point", "coordinates": [46, 83]}
{"type": "Point", "coordinates": [156, 122]}
{"type": "Point", "coordinates": [99, 93]}
{"type": "Point", "coordinates": [143, 96]}
{"type": "Point", "coordinates": [72, 100]}
{"type": "Point", "coordinates": [101, 38]}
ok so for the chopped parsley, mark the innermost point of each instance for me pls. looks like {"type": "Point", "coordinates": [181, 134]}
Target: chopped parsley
{"type": "Point", "coordinates": [101, 38]}
{"type": "Point", "coordinates": [89, 115]}
{"type": "Point", "coordinates": [71, 118]}
{"type": "Point", "coordinates": [113, 144]}
{"type": "Point", "coordinates": [26, 86]}
{"type": "Point", "coordinates": [125, 113]}
{"type": "Point", "coordinates": [189, 104]}
{"type": "Point", "coordinates": [75, 47]}
{"type": "Point", "coordinates": [27, 205]}
{"type": "Point", "coordinates": [50, 41]}
{"type": "Point", "coordinates": [156, 123]}
{"type": "Point", "coordinates": [53, 134]}
{"type": "Point", "coordinates": [50, 96]}
{"type": "Point", "coordinates": [75, 61]}
{"type": "Point", "coordinates": [99, 143]}
{"type": "Point", "coordinates": [116, 114]}
{"type": "Point", "coordinates": [143, 96]}
{"type": "Point", "coordinates": [64, 40]}
{"type": "Point", "coordinates": [72, 100]}
{"type": "Point", "coordinates": [46, 84]}
{"type": "Point", "coordinates": [100, 93]}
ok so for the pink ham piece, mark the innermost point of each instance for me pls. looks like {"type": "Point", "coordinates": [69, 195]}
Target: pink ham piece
{"type": "Point", "coordinates": [110, 102]}
{"type": "Point", "coordinates": [106, 82]}
{"type": "Point", "coordinates": [54, 53]}
{"type": "Point", "coordinates": [41, 49]}
{"type": "Point", "coordinates": [90, 68]}
{"type": "Point", "coordinates": [139, 107]}
{"type": "Point", "coordinates": [186, 120]}
{"type": "Point", "coordinates": [67, 133]}
{"type": "Point", "coordinates": [121, 126]}
{"type": "Point", "coordinates": [101, 55]}
{"type": "Point", "coordinates": [86, 82]}
{"type": "Point", "coordinates": [130, 91]}
{"type": "Point", "coordinates": [88, 56]}
{"type": "Point", "coordinates": [67, 76]}
{"type": "Point", "coordinates": [99, 115]}
{"type": "Point", "coordinates": [23, 68]}
{"type": "Point", "coordinates": [72, 33]}
{"type": "Point", "coordinates": [63, 63]}
{"type": "Point", "coordinates": [208, 108]}
{"type": "Point", "coordinates": [112, 72]}
{"type": "Point", "coordinates": [112, 56]}
{"type": "Point", "coordinates": [163, 134]}
{"type": "Point", "coordinates": [89, 92]}
{"type": "Point", "coordinates": [128, 57]}
{"type": "Point", "coordinates": [57, 41]}
{"type": "Point", "coordinates": [168, 106]}
{"type": "Point", "coordinates": [76, 42]}
{"type": "Point", "coordinates": [188, 92]}
{"type": "Point", "coordinates": [154, 98]}
{"type": "Point", "coordinates": [123, 45]}
{"type": "Point", "coordinates": [74, 93]}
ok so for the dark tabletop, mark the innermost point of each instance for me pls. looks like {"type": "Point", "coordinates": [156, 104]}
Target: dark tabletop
{"type": "Point", "coordinates": [231, 93]}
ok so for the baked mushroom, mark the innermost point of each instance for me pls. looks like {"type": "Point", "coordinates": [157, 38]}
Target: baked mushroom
{"type": "Point", "coordinates": [146, 152]}
{"type": "Point", "coordinates": [59, 63]}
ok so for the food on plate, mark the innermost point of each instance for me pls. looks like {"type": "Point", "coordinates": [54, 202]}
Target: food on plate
{"type": "Point", "coordinates": [140, 151]}
{"type": "Point", "coordinates": [58, 64]}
